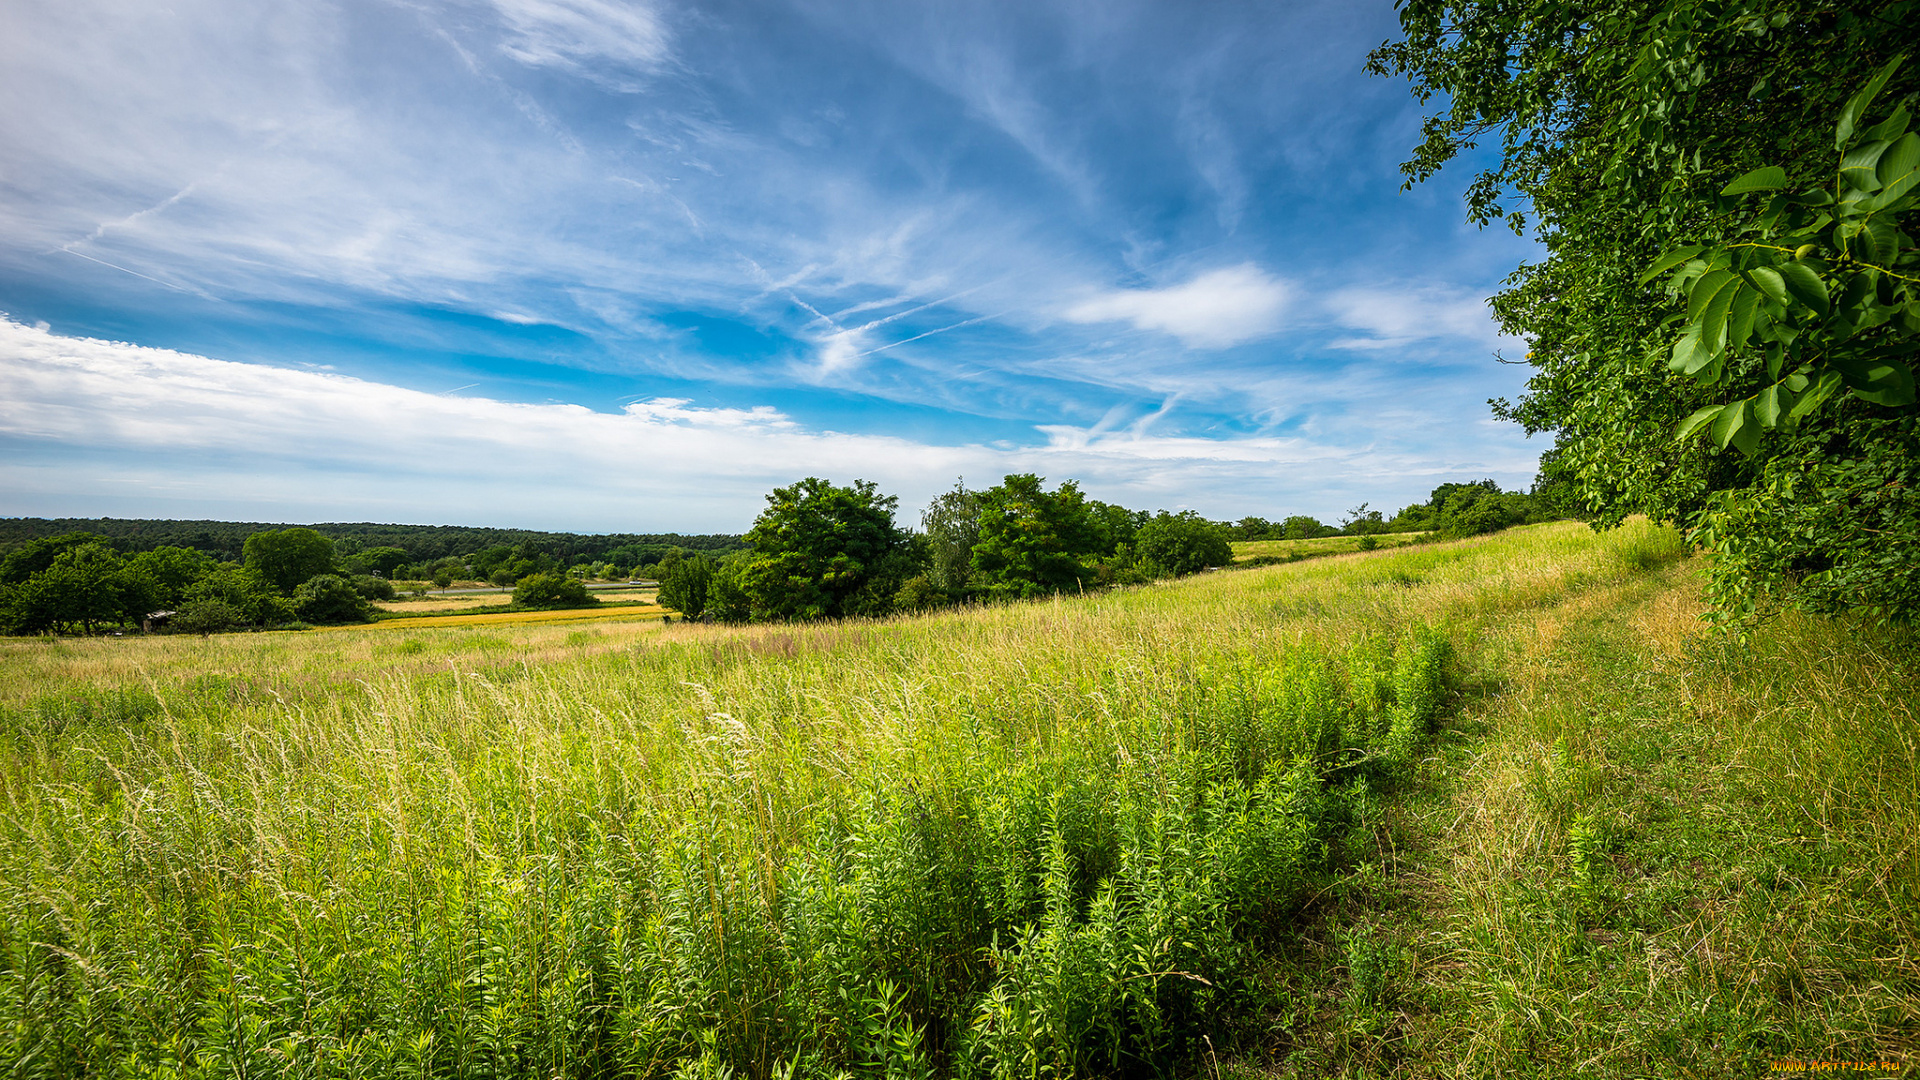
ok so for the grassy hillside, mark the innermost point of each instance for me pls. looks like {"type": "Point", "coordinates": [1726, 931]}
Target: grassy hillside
{"type": "Point", "coordinates": [1205, 825]}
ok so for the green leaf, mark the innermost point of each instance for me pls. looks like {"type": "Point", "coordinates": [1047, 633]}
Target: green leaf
{"type": "Point", "coordinates": [1765, 178]}
{"type": "Point", "coordinates": [1850, 116]}
{"type": "Point", "coordinates": [1726, 425]}
{"type": "Point", "coordinates": [1805, 286]}
{"type": "Point", "coordinates": [1894, 126]}
{"type": "Point", "coordinates": [1706, 289]}
{"type": "Point", "coordinates": [1692, 424]}
{"type": "Point", "coordinates": [1746, 303]}
{"type": "Point", "coordinates": [1767, 405]}
{"type": "Point", "coordinates": [1669, 260]}
{"type": "Point", "coordinates": [1859, 242]}
{"type": "Point", "coordinates": [1689, 355]}
{"type": "Point", "coordinates": [1860, 168]}
{"type": "Point", "coordinates": [1767, 280]}
{"type": "Point", "coordinates": [1713, 319]}
{"type": "Point", "coordinates": [1898, 171]}
{"type": "Point", "coordinates": [1815, 396]}
{"type": "Point", "coordinates": [1889, 382]}
{"type": "Point", "coordinates": [1746, 437]}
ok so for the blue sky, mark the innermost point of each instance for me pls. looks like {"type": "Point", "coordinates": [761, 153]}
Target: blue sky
{"type": "Point", "coordinates": [604, 265]}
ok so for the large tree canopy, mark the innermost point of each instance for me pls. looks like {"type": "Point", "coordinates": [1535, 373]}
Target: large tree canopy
{"type": "Point", "coordinates": [288, 557]}
{"type": "Point", "coordinates": [1722, 324]}
{"type": "Point", "coordinates": [817, 546]}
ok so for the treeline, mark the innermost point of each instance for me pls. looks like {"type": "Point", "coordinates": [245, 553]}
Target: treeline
{"type": "Point", "coordinates": [823, 551]}
{"type": "Point", "coordinates": [225, 541]}
{"type": "Point", "coordinates": [81, 583]}
{"type": "Point", "coordinates": [1453, 510]}
{"type": "Point", "coordinates": [817, 551]}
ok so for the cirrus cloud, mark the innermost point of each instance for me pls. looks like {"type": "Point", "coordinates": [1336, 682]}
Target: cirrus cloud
{"type": "Point", "coordinates": [1217, 309]}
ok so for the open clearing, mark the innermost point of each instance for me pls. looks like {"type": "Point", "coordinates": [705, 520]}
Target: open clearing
{"type": "Point", "coordinates": [1488, 808]}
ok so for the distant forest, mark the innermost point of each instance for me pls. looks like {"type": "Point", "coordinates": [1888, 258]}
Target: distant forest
{"type": "Point", "coordinates": [224, 540]}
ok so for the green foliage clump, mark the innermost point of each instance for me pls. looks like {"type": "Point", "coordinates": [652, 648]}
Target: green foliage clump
{"type": "Point", "coordinates": [285, 558]}
{"type": "Point", "coordinates": [329, 599]}
{"type": "Point", "coordinates": [1032, 541]}
{"type": "Point", "coordinates": [685, 582]}
{"type": "Point", "coordinates": [1760, 153]}
{"type": "Point", "coordinates": [551, 591]}
{"type": "Point", "coordinates": [1182, 543]}
{"type": "Point", "coordinates": [817, 548]}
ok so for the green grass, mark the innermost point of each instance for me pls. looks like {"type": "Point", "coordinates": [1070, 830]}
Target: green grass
{"type": "Point", "coordinates": [1159, 831]}
{"type": "Point", "coordinates": [1244, 550]}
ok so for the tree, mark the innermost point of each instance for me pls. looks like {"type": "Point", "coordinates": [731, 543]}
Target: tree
{"type": "Point", "coordinates": [173, 570]}
{"type": "Point", "coordinates": [1725, 308]}
{"type": "Point", "coordinates": [1302, 527]}
{"type": "Point", "coordinates": [952, 527]}
{"type": "Point", "coordinates": [1363, 522]}
{"type": "Point", "coordinates": [287, 557]}
{"type": "Point", "coordinates": [1033, 541]}
{"type": "Point", "coordinates": [684, 584]}
{"type": "Point", "coordinates": [330, 599]}
{"type": "Point", "coordinates": [1183, 543]}
{"type": "Point", "coordinates": [382, 561]}
{"type": "Point", "coordinates": [85, 586]}
{"type": "Point", "coordinates": [552, 590]}
{"type": "Point", "coordinates": [234, 588]}
{"type": "Point", "coordinates": [815, 547]}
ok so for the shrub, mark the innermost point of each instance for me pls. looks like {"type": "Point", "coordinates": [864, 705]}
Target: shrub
{"type": "Point", "coordinates": [551, 590]}
{"type": "Point", "coordinates": [330, 599]}
{"type": "Point", "coordinates": [209, 615]}
{"type": "Point", "coordinates": [373, 588]}
{"type": "Point", "coordinates": [1183, 543]}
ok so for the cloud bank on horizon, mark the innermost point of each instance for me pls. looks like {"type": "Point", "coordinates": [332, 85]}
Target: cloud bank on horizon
{"type": "Point", "coordinates": [603, 264]}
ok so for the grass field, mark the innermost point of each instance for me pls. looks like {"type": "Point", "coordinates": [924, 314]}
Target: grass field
{"type": "Point", "coordinates": [1322, 545]}
{"type": "Point", "coordinates": [504, 618]}
{"type": "Point", "coordinates": [1489, 808]}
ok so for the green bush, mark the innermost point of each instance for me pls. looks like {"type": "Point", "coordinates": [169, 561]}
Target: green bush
{"type": "Point", "coordinates": [372, 587]}
{"type": "Point", "coordinates": [551, 590]}
{"type": "Point", "coordinates": [1183, 543]}
{"type": "Point", "coordinates": [329, 599]}
{"type": "Point", "coordinates": [209, 615]}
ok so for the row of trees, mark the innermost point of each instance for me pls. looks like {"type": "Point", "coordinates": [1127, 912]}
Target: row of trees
{"type": "Point", "coordinates": [419, 546]}
{"type": "Point", "coordinates": [824, 551]}
{"type": "Point", "coordinates": [1453, 510]}
{"type": "Point", "coordinates": [79, 583]}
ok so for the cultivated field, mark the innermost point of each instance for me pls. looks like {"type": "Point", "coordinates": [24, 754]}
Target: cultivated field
{"type": "Point", "coordinates": [1486, 808]}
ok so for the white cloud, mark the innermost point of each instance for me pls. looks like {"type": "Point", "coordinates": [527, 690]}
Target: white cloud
{"type": "Point", "coordinates": [1390, 318]}
{"type": "Point", "coordinates": [572, 33]}
{"type": "Point", "coordinates": [96, 427]}
{"type": "Point", "coordinates": [1217, 309]}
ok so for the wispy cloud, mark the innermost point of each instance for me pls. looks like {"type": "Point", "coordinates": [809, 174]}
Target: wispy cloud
{"type": "Point", "coordinates": [1216, 309]}
{"type": "Point", "coordinates": [83, 417]}
{"type": "Point", "coordinates": [575, 34]}
{"type": "Point", "coordinates": [1392, 318]}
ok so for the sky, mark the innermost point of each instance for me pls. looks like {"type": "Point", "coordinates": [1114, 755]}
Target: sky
{"type": "Point", "coordinates": [627, 265]}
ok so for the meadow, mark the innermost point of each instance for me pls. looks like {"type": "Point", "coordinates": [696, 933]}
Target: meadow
{"type": "Point", "coordinates": [1244, 550]}
{"type": "Point", "coordinates": [1476, 808]}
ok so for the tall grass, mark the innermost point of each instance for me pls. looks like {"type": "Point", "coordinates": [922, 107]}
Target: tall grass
{"type": "Point", "coordinates": [1041, 840]}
